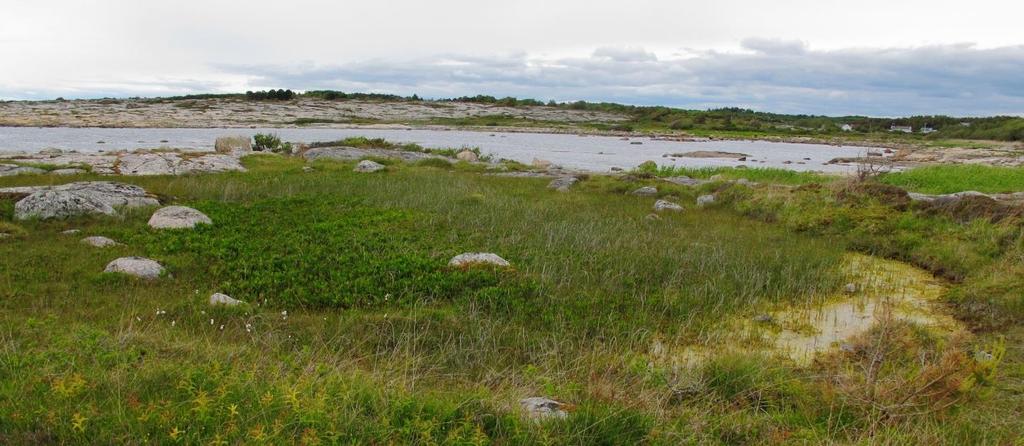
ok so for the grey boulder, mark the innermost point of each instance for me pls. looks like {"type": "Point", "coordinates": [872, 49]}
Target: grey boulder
{"type": "Point", "coordinates": [178, 217]}
{"type": "Point", "coordinates": [543, 408]}
{"type": "Point", "coordinates": [99, 241]}
{"type": "Point", "coordinates": [224, 299]}
{"type": "Point", "coordinates": [664, 205]}
{"type": "Point", "coordinates": [646, 191]}
{"type": "Point", "coordinates": [705, 200]}
{"type": "Point", "coordinates": [135, 266]}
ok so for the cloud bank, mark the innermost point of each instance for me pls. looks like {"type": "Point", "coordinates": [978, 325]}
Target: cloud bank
{"type": "Point", "coordinates": [764, 74]}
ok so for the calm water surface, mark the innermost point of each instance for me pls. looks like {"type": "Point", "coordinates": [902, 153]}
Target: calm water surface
{"type": "Point", "coordinates": [595, 153]}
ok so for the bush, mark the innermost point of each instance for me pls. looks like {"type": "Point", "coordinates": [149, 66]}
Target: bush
{"type": "Point", "coordinates": [271, 95]}
{"type": "Point", "coordinates": [270, 142]}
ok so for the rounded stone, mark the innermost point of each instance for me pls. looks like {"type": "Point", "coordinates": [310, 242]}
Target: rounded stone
{"type": "Point", "coordinates": [468, 259]}
{"type": "Point", "coordinates": [136, 266]}
{"type": "Point", "coordinates": [178, 217]}
{"type": "Point", "coordinates": [99, 241]}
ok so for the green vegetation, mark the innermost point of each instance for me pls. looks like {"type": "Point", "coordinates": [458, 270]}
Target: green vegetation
{"type": "Point", "coordinates": [757, 174]}
{"type": "Point", "coordinates": [270, 95]}
{"type": "Point", "coordinates": [946, 179]}
{"type": "Point", "coordinates": [269, 142]}
{"type": "Point", "coordinates": [356, 331]}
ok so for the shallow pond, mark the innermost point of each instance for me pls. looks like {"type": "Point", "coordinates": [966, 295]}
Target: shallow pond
{"type": "Point", "coordinates": [593, 153]}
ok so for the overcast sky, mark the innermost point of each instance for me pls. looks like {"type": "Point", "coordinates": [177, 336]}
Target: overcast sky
{"type": "Point", "coordinates": [870, 57]}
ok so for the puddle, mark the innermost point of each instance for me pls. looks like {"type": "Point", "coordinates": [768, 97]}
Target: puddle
{"type": "Point", "coordinates": [884, 288]}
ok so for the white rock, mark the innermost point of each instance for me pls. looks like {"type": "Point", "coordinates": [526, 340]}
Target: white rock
{"type": "Point", "coordinates": [135, 266]}
{"type": "Point", "coordinates": [664, 205]}
{"type": "Point", "coordinates": [850, 288]}
{"type": "Point", "coordinates": [224, 299]}
{"type": "Point", "coordinates": [368, 166]}
{"type": "Point", "coordinates": [178, 217]}
{"type": "Point", "coordinates": [71, 231]}
{"type": "Point", "coordinates": [705, 200]}
{"type": "Point", "coordinates": [99, 241]}
{"type": "Point", "coordinates": [543, 408]}
{"type": "Point", "coordinates": [467, 155]}
{"type": "Point", "coordinates": [477, 258]}
{"type": "Point", "coordinates": [646, 191]}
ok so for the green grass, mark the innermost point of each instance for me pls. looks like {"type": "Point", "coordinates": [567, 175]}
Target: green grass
{"type": "Point", "coordinates": [355, 330]}
{"type": "Point", "coordinates": [945, 179]}
{"type": "Point", "coordinates": [757, 174]}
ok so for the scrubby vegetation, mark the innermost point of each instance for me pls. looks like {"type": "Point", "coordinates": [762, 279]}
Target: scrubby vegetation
{"type": "Point", "coordinates": [270, 142]}
{"type": "Point", "coordinates": [356, 332]}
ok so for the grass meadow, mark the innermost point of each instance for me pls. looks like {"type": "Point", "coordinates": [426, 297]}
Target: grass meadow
{"type": "Point", "coordinates": [355, 331]}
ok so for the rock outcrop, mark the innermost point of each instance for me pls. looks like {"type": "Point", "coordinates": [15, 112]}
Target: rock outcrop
{"type": "Point", "coordinates": [646, 191]}
{"type": "Point", "coordinates": [82, 198]}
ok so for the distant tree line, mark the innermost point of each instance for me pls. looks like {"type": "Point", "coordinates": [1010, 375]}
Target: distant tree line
{"type": "Point", "coordinates": [270, 95]}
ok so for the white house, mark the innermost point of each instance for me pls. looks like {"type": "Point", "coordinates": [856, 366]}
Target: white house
{"type": "Point", "coordinates": [901, 128]}
{"type": "Point", "coordinates": [847, 127]}
{"type": "Point", "coordinates": [927, 130]}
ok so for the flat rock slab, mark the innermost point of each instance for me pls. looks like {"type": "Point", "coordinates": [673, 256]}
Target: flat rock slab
{"type": "Point", "coordinates": [705, 200]}
{"type": "Point", "coordinates": [99, 241]}
{"type": "Point", "coordinates": [178, 217]}
{"type": "Point", "coordinates": [10, 170]}
{"type": "Point", "coordinates": [132, 163]}
{"type": "Point", "coordinates": [563, 184]}
{"type": "Point", "coordinates": [140, 267]}
{"type": "Point", "coordinates": [685, 181]}
{"type": "Point", "coordinates": [82, 198]}
{"type": "Point", "coordinates": [353, 154]}
{"type": "Point", "coordinates": [469, 259]}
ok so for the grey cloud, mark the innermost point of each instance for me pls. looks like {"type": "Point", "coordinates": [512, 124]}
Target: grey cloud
{"type": "Point", "coordinates": [774, 76]}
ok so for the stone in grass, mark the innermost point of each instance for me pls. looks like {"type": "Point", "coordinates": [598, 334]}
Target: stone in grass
{"type": "Point", "coordinates": [136, 266]}
{"type": "Point", "coordinates": [178, 217]}
{"type": "Point", "coordinates": [224, 299]}
{"type": "Point", "coordinates": [850, 288]}
{"type": "Point", "coordinates": [562, 184]}
{"type": "Point", "coordinates": [99, 241]}
{"type": "Point", "coordinates": [469, 259]}
{"type": "Point", "coordinates": [307, 169]}
{"type": "Point", "coordinates": [705, 200]}
{"type": "Point", "coordinates": [71, 231]}
{"type": "Point", "coordinates": [664, 205]}
{"type": "Point", "coordinates": [468, 156]}
{"type": "Point", "coordinates": [368, 166]}
{"type": "Point", "coordinates": [540, 408]}
{"type": "Point", "coordinates": [646, 191]}
{"type": "Point", "coordinates": [764, 319]}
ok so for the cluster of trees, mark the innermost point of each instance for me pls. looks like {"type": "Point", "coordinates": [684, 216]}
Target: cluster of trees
{"type": "Point", "coordinates": [270, 95]}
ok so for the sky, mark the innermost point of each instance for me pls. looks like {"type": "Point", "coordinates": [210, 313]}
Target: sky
{"type": "Point", "coordinates": [870, 57]}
